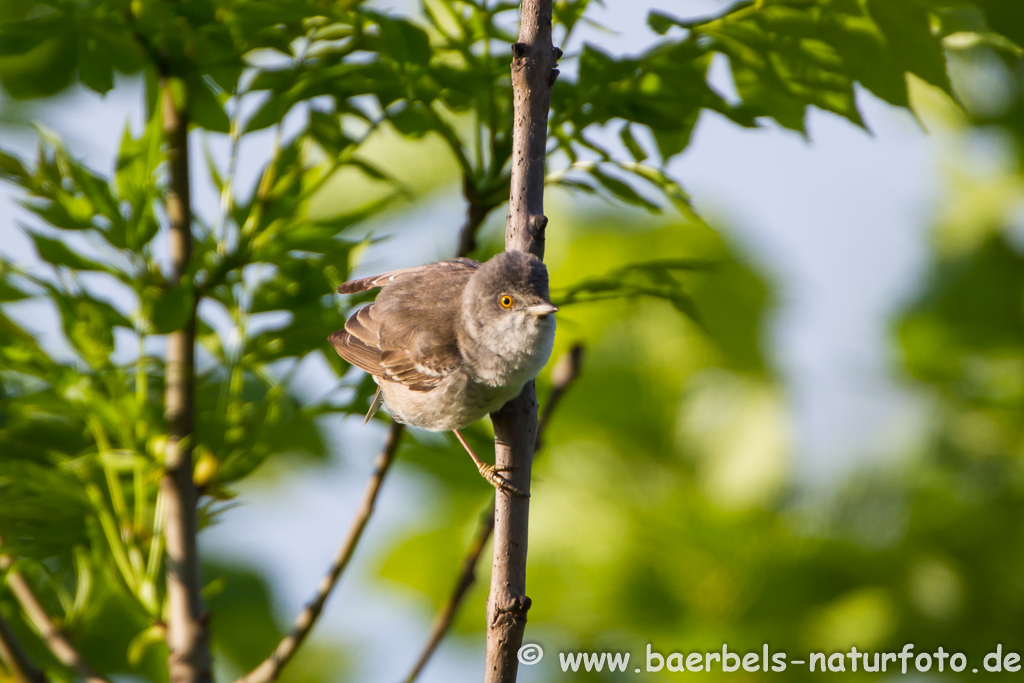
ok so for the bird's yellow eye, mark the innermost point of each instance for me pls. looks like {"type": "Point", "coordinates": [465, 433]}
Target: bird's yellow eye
{"type": "Point", "coordinates": [506, 301]}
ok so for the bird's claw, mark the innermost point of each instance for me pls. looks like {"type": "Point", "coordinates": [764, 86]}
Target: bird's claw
{"type": "Point", "coordinates": [490, 473]}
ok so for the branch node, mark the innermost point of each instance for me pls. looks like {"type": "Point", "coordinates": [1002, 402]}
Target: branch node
{"type": "Point", "coordinates": [558, 53]}
{"type": "Point", "coordinates": [519, 50]}
{"type": "Point", "coordinates": [514, 612]}
{"type": "Point", "coordinates": [553, 77]}
{"type": "Point", "coordinates": [538, 225]}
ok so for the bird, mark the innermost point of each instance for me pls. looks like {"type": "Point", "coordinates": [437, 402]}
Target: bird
{"type": "Point", "coordinates": [450, 342]}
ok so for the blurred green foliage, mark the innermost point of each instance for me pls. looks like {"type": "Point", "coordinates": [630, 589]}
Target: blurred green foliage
{"type": "Point", "coordinates": [665, 508]}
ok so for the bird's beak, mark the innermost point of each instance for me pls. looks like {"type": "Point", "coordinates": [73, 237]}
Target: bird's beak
{"type": "Point", "coordinates": [542, 309]}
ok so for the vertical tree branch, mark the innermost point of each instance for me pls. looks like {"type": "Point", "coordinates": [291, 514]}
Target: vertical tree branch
{"type": "Point", "coordinates": [270, 668]}
{"type": "Point", "coordinates": [187, 628]}
{"type": "Point", "coordinates": [562, 376]}
{"type": "Point", "coordinates": [515, 425]}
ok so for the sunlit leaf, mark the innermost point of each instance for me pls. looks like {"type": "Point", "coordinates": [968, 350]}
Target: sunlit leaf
{"type": "Point", "coordinates": [57, 253]}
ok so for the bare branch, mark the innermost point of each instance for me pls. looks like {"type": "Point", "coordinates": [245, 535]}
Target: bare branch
{"type": "Point", "coordinates": [515, 425]}
{"type": "Point", "coordinates": [270, 668]}
{"type": "Point", "coordinates": [563, 375]}
{"type": "Point", "coordinates": [15, 659]}
{"type": "Point", "coordinates": [187, 628]}
{"type": "Point", "coordinates": [55, 639]}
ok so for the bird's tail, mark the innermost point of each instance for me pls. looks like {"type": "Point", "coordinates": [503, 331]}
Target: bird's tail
{"type": "Point", "coordinates": [375, 405]}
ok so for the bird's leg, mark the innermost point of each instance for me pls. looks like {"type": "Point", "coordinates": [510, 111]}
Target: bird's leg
{"type": "Point", "coordinates": [490, 472]}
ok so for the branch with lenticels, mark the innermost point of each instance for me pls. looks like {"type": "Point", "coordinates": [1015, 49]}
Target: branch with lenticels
{"type": "Point", "coordinates": [534, 58]}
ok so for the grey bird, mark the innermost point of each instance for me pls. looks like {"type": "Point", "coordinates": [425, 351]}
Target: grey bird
{"type": "Point", "coordinates": [450, 342]}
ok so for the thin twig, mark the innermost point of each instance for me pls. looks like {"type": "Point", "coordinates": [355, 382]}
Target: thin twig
{"type": "Point", "coordinates": [466, 579]}
{"type": "Point", "coordinates": [565, 372]}
{"type": "Point", "coordinates": [55, 639]}
{"type": "Point", "coordinates": [16, 659]}
{"type": "Point", "coordinates": [270, 668]}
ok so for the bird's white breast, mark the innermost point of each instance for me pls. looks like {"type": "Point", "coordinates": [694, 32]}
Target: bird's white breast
{"type": "Point", "coordinates": [517, 355]}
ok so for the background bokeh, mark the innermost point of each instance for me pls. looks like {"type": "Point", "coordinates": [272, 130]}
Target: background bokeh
{"type": "Point", "coordinates": [832, 457]}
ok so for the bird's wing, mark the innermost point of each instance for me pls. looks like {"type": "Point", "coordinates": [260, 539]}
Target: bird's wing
{"type": "Point", "coordinates": [404, 342]}
{"type": "Point", "coordinates": [373, 282]}
{"type": "Point", "coordinates": [417, 366]}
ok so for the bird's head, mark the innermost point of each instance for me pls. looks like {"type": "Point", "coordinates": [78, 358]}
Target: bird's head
{"type": "Point", "coordinates": [506, 304]}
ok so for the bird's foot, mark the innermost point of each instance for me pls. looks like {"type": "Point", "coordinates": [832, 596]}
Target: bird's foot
{"type": "Point", "coordinates": [491, 474]}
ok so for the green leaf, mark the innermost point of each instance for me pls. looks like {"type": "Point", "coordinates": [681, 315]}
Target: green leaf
{"type": "Point", "coordinates": [412, 121]}
{"type": "Point", "coordinates": [661, 22]}
{"type": "Point", "coordinates": [578, 185]}
{"type": "Point", "coordinates": [88, 324]}
{"type": "Point", "coordinates": [651, 278]}
{"type": "Point", "coordinates": [327, 131]}
{"type": "Point", "coordinates": [241, 603]}
{"type": "Point", "coordinates": [171, 309]}
{"type": "Point", "coordinates": [671, 189]}
{"type": "Point", "coordinates": [403, 40]}
{"type": "Point", "coordinates": [634, 148]}
{"type": "Point", "coordinates": [57, 253]}
{"type": "Point", "coordinates": [67, 213]}
{"type": "Point", "coordinates": [205, 109]}
{"type": "Point", "coordinates": [906, 26]}
{"type": "Point", "coordinates": [96, 189]}
{"type": "Point", "coordinates": [622, 190]}
{"type": "Point", "coordinates": [974, 306]}
{"type": "Point", "coordinates": [95, 64]}
{"type": "Point", "coordinates": [566, 13]}
{"type": "Point", "coordinates": [146, 639]}
{"type": "Point", "coordinates": [15, 40]}
{"type": "Point", "coordinates": [211, 167]}
{"type": "Point", "coordinates": [11, 168]}
{"type": "Point", "coordinates": [8, 291]}
{"type": "Point", "coordinates": [270, 113]}
{"type": "Point", "coordinates": [48, 66]}
{"type": "Point", "coordinates": [1006, 17]}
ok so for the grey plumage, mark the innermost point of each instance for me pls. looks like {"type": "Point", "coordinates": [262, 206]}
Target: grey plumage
{"type": "Point", "coordinates": [440, 342]}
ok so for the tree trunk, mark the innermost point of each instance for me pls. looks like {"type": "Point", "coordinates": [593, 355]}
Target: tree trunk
{"type": "Point", "coordinates": [187, 632]}
{"type": "Point", "coordinates": [515, 425]}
